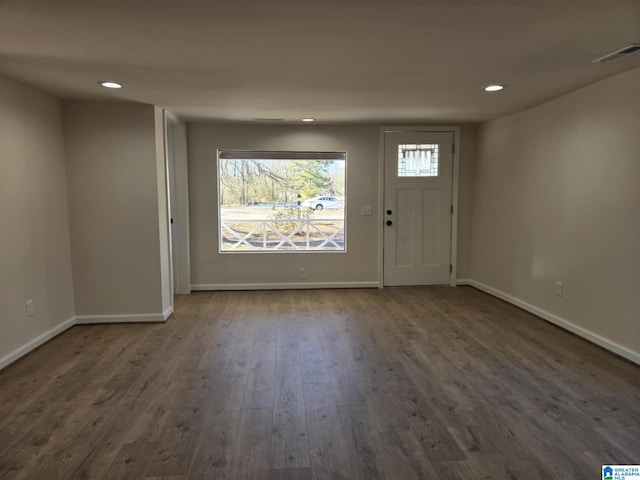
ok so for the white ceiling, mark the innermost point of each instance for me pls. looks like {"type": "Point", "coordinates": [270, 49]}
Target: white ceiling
{"type": "Point", "coordinates": [336, 60]}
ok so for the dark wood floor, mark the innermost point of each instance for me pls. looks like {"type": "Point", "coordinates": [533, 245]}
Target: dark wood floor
{"type": "Point", "coordinates": [329, 384]}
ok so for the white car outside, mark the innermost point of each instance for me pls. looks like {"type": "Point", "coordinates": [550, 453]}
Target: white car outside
{"type": "Point", "coordinates": [322, 202]}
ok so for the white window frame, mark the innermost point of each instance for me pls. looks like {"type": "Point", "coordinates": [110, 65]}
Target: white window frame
{"type": "Point", "coordinates": [287, 244]}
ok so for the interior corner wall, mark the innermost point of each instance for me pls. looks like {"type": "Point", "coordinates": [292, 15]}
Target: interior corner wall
{"type": "Point", "coordinates": [466, 178]}
{"type": "Point", "coordinates": [556, 198]}
{"type": "Point", "coordinates": [35, 261]}
{"type": "Point", "coordinates": [113, 209]}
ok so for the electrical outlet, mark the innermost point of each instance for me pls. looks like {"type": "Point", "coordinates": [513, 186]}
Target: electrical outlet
{"type": "Point", "coordinates": [302, 273]}
{"type": "Point", "coordinates": [559, 289]}
{"type": "Point", "coordinates": [29, 306]}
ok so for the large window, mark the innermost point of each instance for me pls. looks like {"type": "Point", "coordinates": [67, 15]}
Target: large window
{"type": "Point", "coordinates": [281, 201]}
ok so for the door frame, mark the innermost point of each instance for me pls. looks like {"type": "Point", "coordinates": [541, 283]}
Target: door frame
{"type": "Point", "coordinates": [178, 202]}
{"type": "Point", "coordinates": [454, 193]}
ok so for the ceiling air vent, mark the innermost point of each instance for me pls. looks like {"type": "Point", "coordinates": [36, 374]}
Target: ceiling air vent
{"type": "Point", "coordinates": [623, 52]}
{"type": "Point", "coordinates": [268, 120]}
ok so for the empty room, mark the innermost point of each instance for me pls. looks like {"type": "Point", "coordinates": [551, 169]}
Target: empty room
{"type": "Point", "coordinates": [331, 240]}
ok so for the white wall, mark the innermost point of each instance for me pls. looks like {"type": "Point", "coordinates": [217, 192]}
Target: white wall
{"type": "Point", "coordinates": [358, 266]}
{"type": "Point", "coordinates": [115, 197]}
{"type": "Point", "coordinates": [466, 178]}
{"type": "Point", "coordinates": [35, 258]}
{"type": "Point", "coordinates": [557, 192]}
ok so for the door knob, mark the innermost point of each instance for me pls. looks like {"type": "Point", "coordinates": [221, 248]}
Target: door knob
{"type": "Point", "coordinates": [389, 212]}
{"type": "Point", "coordinates": [389, 222]}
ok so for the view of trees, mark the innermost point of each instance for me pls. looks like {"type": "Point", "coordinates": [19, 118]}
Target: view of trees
{"type": "Point", "coordinates": [250, 181]}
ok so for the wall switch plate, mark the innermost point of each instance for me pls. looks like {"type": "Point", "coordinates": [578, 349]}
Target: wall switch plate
{"type": "Point", "coordinates": [302, 273]}
{"type": "Point", "coordinates": [365, 210]}
{"type": "Point", "coordinates": [29, 306]}
{"type": "Point", "coordinates": [559, 289]}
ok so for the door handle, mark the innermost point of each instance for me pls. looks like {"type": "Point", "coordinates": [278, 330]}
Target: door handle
{"type": "Point", "coordinates": [389, 212]}
{"type": "Point", "coordinates": [389, 222]}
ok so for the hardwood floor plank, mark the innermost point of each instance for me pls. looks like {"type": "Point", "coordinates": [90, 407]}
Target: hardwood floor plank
{"type": "Point", "coordinates": [259, 389]}
{"type": "Point", "coordinates": [402, 461]}
{"type": "Point", "coordinates": [361, 442]}
{"type": "Point", "coordinates": [327, 450]}
{"type": "Point", "coordinates": [289, 431]}
{"type": "Point", "coordinates": [345, 387]}
{"type": "Point", "coordinates": [253, 449]}
{"type": "Point", "coordinates": [290, 474]}
{"type": "Point", "coordinates": [172, 477]}
{"type": "Point", "coordinates": [132, 461]}
{"type": "Point", "coordinates": [236, 367]}
{"type": "Point", "coordinates": [175, 450]}
{"type": "Point", "coordinates": [287, 347]}
{"type": "Point", "coordinates": [215, 456]}
{"type": "Point", "coordinates": [312, 364]}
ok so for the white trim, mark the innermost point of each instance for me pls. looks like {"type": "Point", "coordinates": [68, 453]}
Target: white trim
{"type": "Point", "coordinates": [454, 202]}
{"type": "Point", "coordinates": [168, 174]}
{"type": "Point", "coordinates": [164, 211]}
{"type": "Point", "coordinates": [36, 342]}
{"type": "Point", "coordinates": [176, 151]}
{"type": "Point", "coordinates": [454, 192]}
{"type": "Point", "coordinates": [281, 286]}
{"type": "Point", "coordinates": [381, 213]}
{"type": "Point", "coordinates": [143, 317]}
{"type": "Point", "coordinates": [559, 321]}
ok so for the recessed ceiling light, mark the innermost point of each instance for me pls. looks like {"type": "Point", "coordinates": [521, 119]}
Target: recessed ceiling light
{"type": "Point", "coordinates": [110, 84]}
{"type": "Point", "coordinates": [494, 88]}
{"type": "Point", "coordinates": [308, 119]}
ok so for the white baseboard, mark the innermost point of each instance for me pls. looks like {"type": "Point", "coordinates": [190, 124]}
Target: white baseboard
{"type": "Point", "coordinates": [281, 286]}
{"type": "Point", "coordinates": [80, 320]}
{"type": "Point", "coordinates": [143, 317]}
{"type": "Point", "coordinates": [36, 342]}
{"type": "Point", "coordinates": [559, 321]}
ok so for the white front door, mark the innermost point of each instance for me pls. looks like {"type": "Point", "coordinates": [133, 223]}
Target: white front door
{"type": "Point", "coordinates": [418, 179]}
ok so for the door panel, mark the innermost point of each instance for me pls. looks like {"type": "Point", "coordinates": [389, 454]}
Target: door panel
{"type": "Point", "coordinates": [431, 227]}
{"type": "Point", "coordinates": [418, 187]}
{"type": "Point", "coordinates": [404, 227]}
